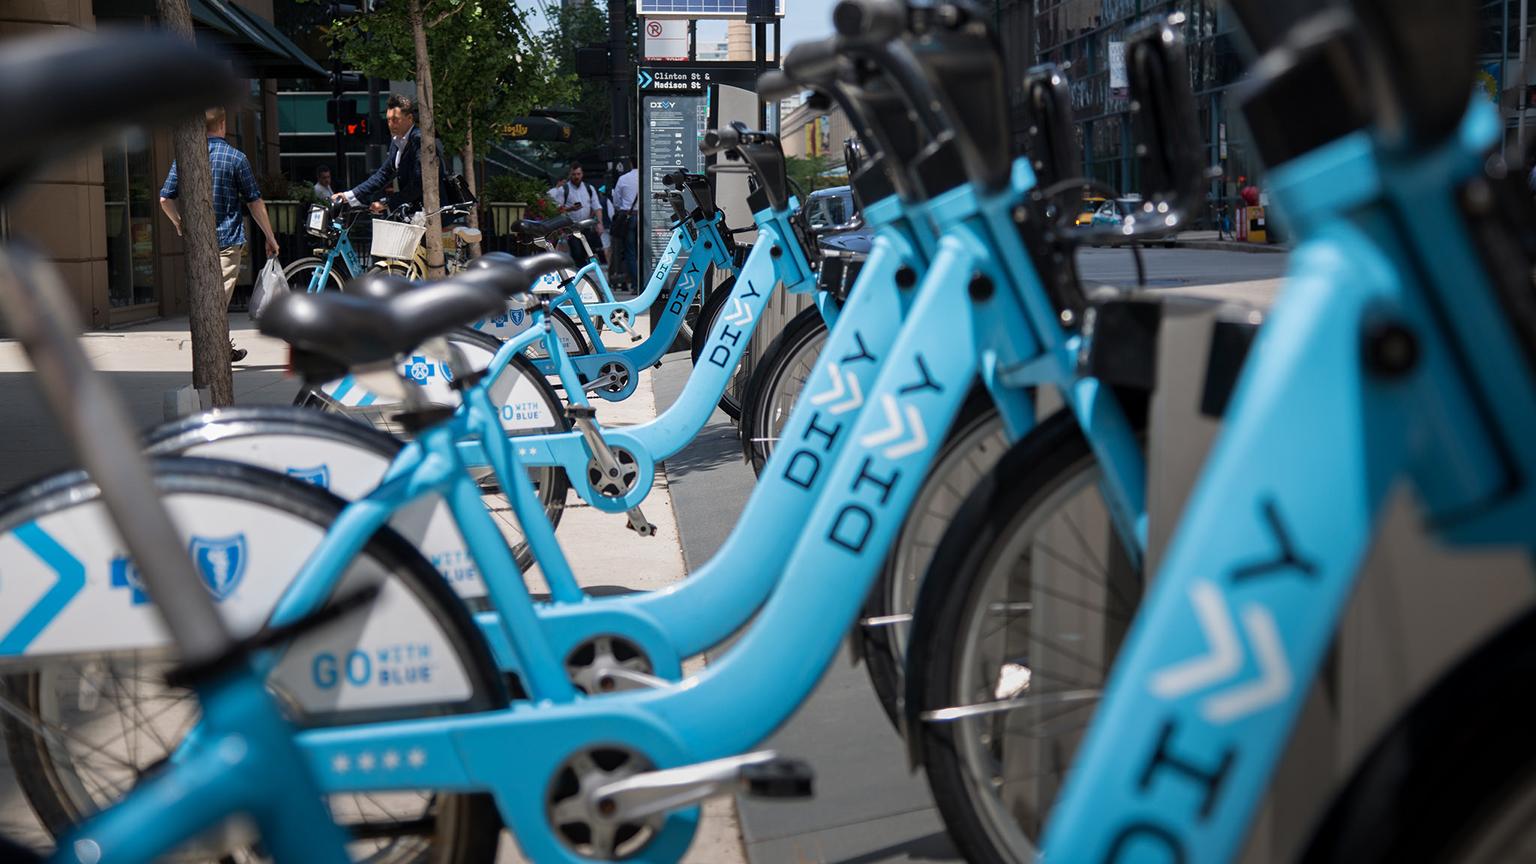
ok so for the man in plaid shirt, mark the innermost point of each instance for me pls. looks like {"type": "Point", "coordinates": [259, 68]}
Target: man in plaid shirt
{"type": "Point", "coordinates": [233, 184]}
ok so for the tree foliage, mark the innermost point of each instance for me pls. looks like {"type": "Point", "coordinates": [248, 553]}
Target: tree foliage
{"type": "Point", "coordinates": [487, 66]}
{"type": "Point", "coordinates": [570, 27]}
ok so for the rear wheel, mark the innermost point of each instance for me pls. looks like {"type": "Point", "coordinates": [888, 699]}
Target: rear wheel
{"type": "Point", "coordinates": [550, 482]}
{"type": "Point", "coordinates": [1022, 611]}
{"type": "Point", "coordinates": [80, 730]}
{"type": "Point", "coordinates": [730, 401]}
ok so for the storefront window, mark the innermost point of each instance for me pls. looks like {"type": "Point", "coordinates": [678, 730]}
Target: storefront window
{"type": "Point", "coordinates": [132, 196]}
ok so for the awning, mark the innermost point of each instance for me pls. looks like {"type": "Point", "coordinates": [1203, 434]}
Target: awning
{"type": "Point", "coordinates": [299, 65]}
{"type": "Point", "coordinates": [248, 38]}
{"type": "Point", "coordinates": [536, 129]}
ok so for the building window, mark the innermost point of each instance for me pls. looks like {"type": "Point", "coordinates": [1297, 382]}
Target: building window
{"type": "Point", "coordinates": [132, 196]}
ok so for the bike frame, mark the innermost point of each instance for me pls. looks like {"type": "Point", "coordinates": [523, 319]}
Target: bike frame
{"type": "Point", "coordinates": [856, 495]}
{"type": "Point", "coordinates": [242, 752]}
{"type": "Point", "coordinates": [342, 249]}
{"type": "Point", "coordinates": [1264, 562]}
{"type": "Point", "coordinates": [690, 239]}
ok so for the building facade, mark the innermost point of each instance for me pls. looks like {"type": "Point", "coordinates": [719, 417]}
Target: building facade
{"type": "Point", "coordinates": [1085, 36]}
{"type": "Point", "coordinates": [97, 215]}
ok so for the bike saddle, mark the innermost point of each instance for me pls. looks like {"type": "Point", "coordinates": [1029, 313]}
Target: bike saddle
{"type": "Point", "coordinates": [113, 81]}
{"type": "Point", "coordinates": [544, 228]}
{"type": "Point", "coordinates": [356, 330]}
{"type": "Point", "coordinates": [532, 267]}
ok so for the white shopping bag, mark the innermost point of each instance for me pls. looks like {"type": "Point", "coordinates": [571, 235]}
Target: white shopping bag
{"type": "Point", "coordinates": [269, 284]}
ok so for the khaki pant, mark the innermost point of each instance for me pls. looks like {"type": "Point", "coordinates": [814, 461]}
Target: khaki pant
{"type": "Point", "coordinates": [229, 264]}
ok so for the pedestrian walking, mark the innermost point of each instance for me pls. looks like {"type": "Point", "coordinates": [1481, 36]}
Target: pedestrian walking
{"type": "Point", "coordinates": [626, 225]}
{"type": "Point", "coordinates": [579, 200]}
{"type": "Point", "coordinates": [233, 185]}
{"type": "Point", "coordinates": [323, 189]}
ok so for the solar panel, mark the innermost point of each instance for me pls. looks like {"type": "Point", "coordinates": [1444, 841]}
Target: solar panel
{"type": "Point", "coordinates": [697, 8]}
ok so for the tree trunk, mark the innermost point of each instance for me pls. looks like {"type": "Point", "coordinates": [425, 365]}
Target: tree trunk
{"type": "Point", "coordinates": [205, 282]}
{"type": "Point", "coordinates": [469, 179]}
{"type": "Point", "coordinates": [429, 192]}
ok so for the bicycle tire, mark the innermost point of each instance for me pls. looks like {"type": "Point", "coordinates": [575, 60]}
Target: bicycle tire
{"type": "Point", "coordinates": [730, 400]}
{"type": "Point", "coordinates": [973, 447]}
{"type": "Point", "coordinates": [776, 382]}
{"type": "Point", "coordinates": [550, 481]}
{"type": "Point", "coordinates": [1448, 768]}
{"type": "Point", "coordinates": [299, 273]}
{"type": "Point", "coordinates": [466, 827]}
{"type": "Point", "coordinates": [1053, 461]}
{"type": "Point", "coordinates": [569, 334]}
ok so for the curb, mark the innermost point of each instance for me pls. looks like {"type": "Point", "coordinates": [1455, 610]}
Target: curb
{"type": "Point", "coordinates": [1233, 246]}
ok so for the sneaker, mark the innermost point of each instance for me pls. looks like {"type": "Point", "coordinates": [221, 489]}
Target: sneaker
{"type": "Point", "coordinates": [236, 354]}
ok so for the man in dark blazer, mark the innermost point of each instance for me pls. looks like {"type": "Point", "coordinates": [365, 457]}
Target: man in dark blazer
{"type": "Point", "coordinates": [402, 164]}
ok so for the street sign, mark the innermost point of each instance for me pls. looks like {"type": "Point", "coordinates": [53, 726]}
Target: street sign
{"type": "Point", "coordinates": [665, 38]}
{"type": "Point", "coordinates": [1119, 80]}
{"type": "Point", "coordinates": [680, 81]}
{"type": "Point", "coordinates": [697, 8]}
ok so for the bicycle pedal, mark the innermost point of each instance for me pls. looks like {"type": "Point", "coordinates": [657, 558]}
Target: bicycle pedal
{"type": "Point", "coordinates": [636, 337]}
{"type": "Point", "coordinates": [781, 777]}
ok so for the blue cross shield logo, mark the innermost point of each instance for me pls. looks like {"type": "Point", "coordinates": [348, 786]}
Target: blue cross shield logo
{"type": "Point", "coordinates": [420, 369]}
{"type": "Point", "coordinates": [125, 575]}
{"type": "Point", "coordinates": [221, 561]}
{"type": "Point", "coordinates": [320, 475]}
{"type": "Point", "coordinates": [517, 317]}
{"type": "Point", "coordinates": [500, 320]}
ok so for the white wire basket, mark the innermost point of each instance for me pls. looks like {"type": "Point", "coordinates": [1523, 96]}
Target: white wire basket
{"type": "Point", "coordinates": [396, 239]}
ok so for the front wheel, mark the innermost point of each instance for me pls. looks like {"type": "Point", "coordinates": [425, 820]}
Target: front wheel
{"type": "Point", "coordinates": [305, 274]}
{"type": "Point", "coordinates": [777, 380]}
{"type": "Point", "coordinates": [1023, 609]}
{"type": "Point", "coordinates": [1454, 778]}
{"type": "Point", "coordinates": [730, 400]}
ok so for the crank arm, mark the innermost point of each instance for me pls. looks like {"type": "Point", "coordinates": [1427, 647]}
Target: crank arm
{"type": "Point", "coordinates": [763, 774]}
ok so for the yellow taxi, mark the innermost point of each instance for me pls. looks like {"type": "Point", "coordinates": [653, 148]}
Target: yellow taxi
{"type": "Point", "coordinates": [1090, 206]}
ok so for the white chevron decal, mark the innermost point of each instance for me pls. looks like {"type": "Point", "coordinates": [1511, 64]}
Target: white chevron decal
{"type": "Point", "coordinates": [919, 438]}
{"type": "Point", "coordinates": [891, 432]}
{"type": "Point", "coordinates": [841, 384]}
{"type": "Point", "coordinates": [897, 428]}
{"type": "Point", "coordinates": [1225, 660]}
{"type": "Point", "coordinates": [1275, 673]}
{"type": "Point", "coordinates": [741, 313]}
{"type": "Point", "coordinates": [1226, 656]}
{"type": "Point", "coordinates": [837, 390]}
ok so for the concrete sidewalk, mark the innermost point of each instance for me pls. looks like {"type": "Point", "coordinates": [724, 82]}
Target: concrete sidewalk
{"type": "Point", "coordinates": [146, 361]}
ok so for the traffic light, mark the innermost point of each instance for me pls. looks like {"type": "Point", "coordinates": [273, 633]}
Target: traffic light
{"type": "Point", "coordinates": [339, 112]}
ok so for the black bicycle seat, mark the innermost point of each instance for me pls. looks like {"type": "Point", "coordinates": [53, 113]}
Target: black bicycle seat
{"type": "Point", "coordinates": [68, 92]}
{"type": "Point", "coordinates": [544, 228]}
{"type": "Point", "coordinates": [356, 330]}
{"type": "Point", "coordinates": [380, 286]}
{"type": "Point", "coordinates": [533, 267]}
{"type": "Point", "coordinates": [588, 224]}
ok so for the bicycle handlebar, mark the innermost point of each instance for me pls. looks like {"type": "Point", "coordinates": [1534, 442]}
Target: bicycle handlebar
{"type": "Point", "coordinates": [812, 63]}
{"type": "Point", "coordinates": [869, 22]}
{"type": "Point", "coordinates": [732, 137]}
{"type": "Point", "coordinates": [775, 85]}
